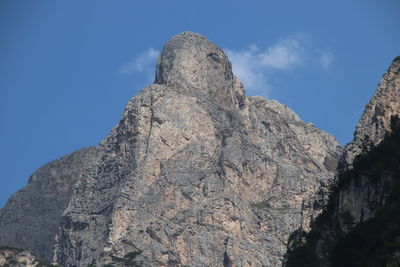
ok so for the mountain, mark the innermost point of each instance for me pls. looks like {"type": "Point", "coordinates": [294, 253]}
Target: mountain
{"type": "Point", "coordinates": [375, 124]}
{"type": "Point", "coordinates": [360, 226]}
{"type": "Point", "coordinates": [375, 121]}
{"type": "Point", "coordinates": [16, 257]}
{"type": "Point", "coordinates": [196, 173]}
{"type": "Point", "coordinates": [32, 215]}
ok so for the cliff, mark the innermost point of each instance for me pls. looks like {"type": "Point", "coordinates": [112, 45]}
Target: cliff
{"type": "Point", "coordinates": [196, 173]}
{"type": "Point", "coordinates": [359, 226]}
{"type": "Point", "coordinates": [31, 217]}
{"type": "Point", "coordinates": [375, 121]}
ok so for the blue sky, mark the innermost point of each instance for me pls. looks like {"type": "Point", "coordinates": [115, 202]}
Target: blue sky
{"type": "Point", "coordinates": [67, 68]}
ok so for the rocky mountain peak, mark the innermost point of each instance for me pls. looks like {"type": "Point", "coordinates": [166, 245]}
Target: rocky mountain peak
{"type": "Point", "coordinates": [194, 174]}
{"type": "Point", "coordinates": [191, 63]}
{"type": "Point", "coordinates": [375, 121]}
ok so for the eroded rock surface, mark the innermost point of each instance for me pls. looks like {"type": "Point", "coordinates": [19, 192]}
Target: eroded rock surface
{"type": "Point", "coordinates": [14, 257]}
{"type": "Point", "coordinates": [363, 204]}
{"type": "Point", "coordinates": [375, 121]}
{"type": "Point", "coordinates": [31, 217]}
{"type": "Point", "coordinates": [361, 200]}
{"type": "Point", "coordinates": [197, 174]}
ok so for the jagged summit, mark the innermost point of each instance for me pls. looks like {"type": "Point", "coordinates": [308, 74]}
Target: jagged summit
{"type": "Point", "coordinates": [191, 63]}
{"type": "Point", "coordinates": [190, 59]}
{"type": "Point", "coordinates": [194, 174]}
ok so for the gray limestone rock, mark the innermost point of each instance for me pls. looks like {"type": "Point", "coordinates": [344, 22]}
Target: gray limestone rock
{"type": "Point", "coordinates": [197, 174]}
{"type": "Point", "coordinates": [375, 121]}
{"type": "Point", "coordinates": [15, 257]}
{"type": "Point", "coordinates": [365, 188]}
{"type": "Point", "coordinates": [361, 200]}
{"type": "Point", "coordinates": [190, 63]}
{"type": "Point", "coordinates": [31, 217]}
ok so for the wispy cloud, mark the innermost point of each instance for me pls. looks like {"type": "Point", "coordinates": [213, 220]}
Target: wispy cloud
{"type": "Point", "coordinates": [283, 55]}
{"type": "Point", "coordinates": [143, 63]}
{"type": "Point", "coordinates": [326, 59]}
{"type": "Point", "coordinates": [254, 66]}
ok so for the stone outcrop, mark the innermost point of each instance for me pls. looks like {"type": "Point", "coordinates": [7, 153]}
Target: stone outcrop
{"type": "Point", "coordinates": [196, 173]}
{"type": "Point", "coordinates": [31, 217]}
{"type": "Point", "coordinates": [14, 257]}
{"type": "Point", "coordinates": [375, 121]}
{"type": "Point", "coordinates": [363, 199]}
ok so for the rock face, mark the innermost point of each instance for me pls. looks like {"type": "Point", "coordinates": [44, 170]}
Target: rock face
{"type": "Point", "coordinates": [196, 173]}
{"type": "Point", "coordinates": [375, 121]}
{"type": "Point", "coordinates": [14, 257]}
{"type": "Point", "coordinates": [364, 199]}
{"type": "Point", "coordinates": [362, 209]}
{"type": "Point", "coordinates": [190, 63]}
{"type": "Point", "coordinates": [31, 217]}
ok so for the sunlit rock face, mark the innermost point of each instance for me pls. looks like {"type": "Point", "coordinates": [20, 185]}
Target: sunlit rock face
{"type": "Point", "coordinates": [375, 121]}
{"type": "Point", "coordinates": [189, 62]}
{"type": "Point", "coordinates": [196, 173]}
{"type": "Point", "coordinates": [363, 199]}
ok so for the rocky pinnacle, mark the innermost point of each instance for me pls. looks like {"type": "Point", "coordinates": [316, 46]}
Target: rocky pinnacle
{"type": "Point", "coordinates": [189, 62]}
{"type": "Point", "coordinates": [196, 173]}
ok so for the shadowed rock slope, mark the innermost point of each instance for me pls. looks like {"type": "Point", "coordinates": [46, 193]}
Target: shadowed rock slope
{"type": "Point", "coordinates": [31, 217]}
{"type": "Point", "coordinates": [375, 121]}
{"type": "Point", "coordinates": [196, 173]}
{"type": "Point", "coordinates": [360, 226]}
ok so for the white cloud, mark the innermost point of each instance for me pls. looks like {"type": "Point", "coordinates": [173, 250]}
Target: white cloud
{"type": "Point", "coordinates": [283, 55]}
{"type": "Point", "coordinates": [326, 59]}
{"type": "Point", "coordinates": [144, 63]}
{"type": "Point", "coordinates": [253, 66]}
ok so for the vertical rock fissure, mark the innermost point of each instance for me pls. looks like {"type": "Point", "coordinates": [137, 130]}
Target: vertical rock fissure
{"type": "Point", "coordinates": [150, 128]}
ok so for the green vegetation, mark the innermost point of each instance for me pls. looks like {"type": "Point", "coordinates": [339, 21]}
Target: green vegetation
{"type": "Point", "coordinates": [132, 255]}
{"type": "Point", "coordinates": [303, 256]}
{"type": "Point", "coordinates": [259, 205]}
{"type": "Point", "coordinates": [128, 259]}
{"type": "Point", "coordinates": [370, 243]}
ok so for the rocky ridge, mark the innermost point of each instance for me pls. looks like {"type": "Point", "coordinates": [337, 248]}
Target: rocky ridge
{"type": "Point", "coordinates": [31, 217]}
{"type": "Point", "coordinates": [362, 200]}
{"type": "Point", "coordinates": [359, 225]}
{"type": "Point", "coordinates": [195, 174]}
{"type": "Point", "coordinates": [375, 121]}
